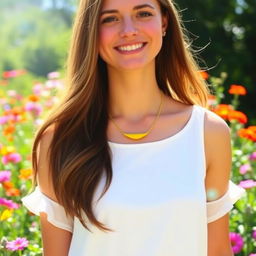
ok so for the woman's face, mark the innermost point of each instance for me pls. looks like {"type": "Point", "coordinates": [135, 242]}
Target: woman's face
{"type": "Point", "coordinates": [130, 33]}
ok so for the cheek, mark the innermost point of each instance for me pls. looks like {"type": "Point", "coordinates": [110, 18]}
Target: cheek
{"type": "Point", "coordinates": [157, 26]}
{"type": "Point", "coordinates": [105, 38]}
{"type": "Point", "coordinates": [153, 29]}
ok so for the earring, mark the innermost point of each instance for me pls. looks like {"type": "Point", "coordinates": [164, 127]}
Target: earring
{"type": "Point", "coordinates": [164, 33]}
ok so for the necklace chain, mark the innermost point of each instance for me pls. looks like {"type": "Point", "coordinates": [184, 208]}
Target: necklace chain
{"type": "Point", "coordinates": [138, 136]}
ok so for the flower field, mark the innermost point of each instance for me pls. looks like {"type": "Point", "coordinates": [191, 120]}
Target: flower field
{"type": "Point", "coordinates": [23, 105]}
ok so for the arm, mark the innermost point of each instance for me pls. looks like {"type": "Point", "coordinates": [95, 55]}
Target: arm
{"type": "Point", "coordinates": [56, 241]}
{"type": "Point", "coordinates": [218, 166]}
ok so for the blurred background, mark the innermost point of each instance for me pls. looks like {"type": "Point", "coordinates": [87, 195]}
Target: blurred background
{"type": "Point", "coordinates": [34, 42]}
{"type": "Point", "coordinates": [35, 36]}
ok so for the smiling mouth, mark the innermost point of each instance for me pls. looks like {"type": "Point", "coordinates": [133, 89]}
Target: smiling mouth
{"type": "Point", "coordinates": [130, 48]}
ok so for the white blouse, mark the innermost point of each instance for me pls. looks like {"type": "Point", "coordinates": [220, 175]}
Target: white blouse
{"type": "Point", "coordinates": [156, 202]}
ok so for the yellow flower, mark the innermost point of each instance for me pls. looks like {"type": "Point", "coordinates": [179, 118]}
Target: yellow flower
{"type": "Point", "coordinates": [25, 174]}
{"type": "Point", "coordinates": [6, 214]}
{"type": "Point", "coordinates": [6, 150]}
{"type": "Point", "coordinates": [1, 93]}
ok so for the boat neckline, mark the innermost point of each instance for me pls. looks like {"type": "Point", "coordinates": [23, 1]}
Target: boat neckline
{"type": "Point", "coordinates": [169, 138]}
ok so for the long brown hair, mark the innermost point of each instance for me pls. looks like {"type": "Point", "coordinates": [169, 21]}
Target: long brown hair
{"type": "Point", "coordinates": [79, 153]}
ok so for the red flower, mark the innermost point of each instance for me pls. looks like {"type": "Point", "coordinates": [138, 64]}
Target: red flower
{"type": "Point", "coordinates": [237, 89]}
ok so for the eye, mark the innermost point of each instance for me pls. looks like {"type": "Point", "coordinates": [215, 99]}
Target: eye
{"type": "Point", "coordinates": [109, 19]}
{"type": "Point", "coordinates": [145, 14]}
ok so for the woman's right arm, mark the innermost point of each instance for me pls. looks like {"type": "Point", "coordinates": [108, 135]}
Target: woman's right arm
{"type": "Point", "coordinates": [56, 241]}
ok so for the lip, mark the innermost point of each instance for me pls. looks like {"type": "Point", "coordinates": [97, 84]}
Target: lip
{"type": "Point", "coordinates": [133, 51]}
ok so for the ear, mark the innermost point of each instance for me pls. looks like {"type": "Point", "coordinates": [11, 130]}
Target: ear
{"type": "Point", "coordinates": [164, 22]}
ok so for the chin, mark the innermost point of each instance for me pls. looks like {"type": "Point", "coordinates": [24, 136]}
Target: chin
{"type": "Point", "coordinates": [132, 65]}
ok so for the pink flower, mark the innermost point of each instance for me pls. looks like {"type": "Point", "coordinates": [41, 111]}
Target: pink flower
{"type": "Point", "coordinates": [11, 158]}
{"type": "Point", "coordinates": [34, 108]}
{"type": "Point", "coordinates": [245, 168]}
{"type": "Point", "coordinates": [252, 254]}
{"type": "Point", "coordinates": [18, 244]}
{"type": "Point", "coordinates": [247, 184]}
{"type": "Point", "coordinates": [19, 97]}
{"type": "Point", "coordinates": [8, 203]}
{"type": "Point", "coordinates": [3, 119]}
{"type": "Point", "coordinates": [252, 157]}
{"type": "Point", "coordinates": [53, 75]}
{"type": "Point", "coordinates": [53, 84]}
{"type": "Point", "coordinates": [37, 89]}
{"type": "Point", "coordinates": [236, 241]}
{"type": "Point", "coordinates": [254, 234]}
{"type": "Point", "coordinates": [5, 176]}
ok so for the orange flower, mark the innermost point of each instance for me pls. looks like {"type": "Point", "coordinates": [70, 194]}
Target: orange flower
{"type": "Point", "coordinates": [8, 185]}
{"type": "Point", "coordinates": [252, 128]}
{"type": "Point", "coordinates": [18, 110]}
{"type": "Point", "coordinates": [238, 116]}
{"type": "Point", "coordinates": [13, 192]}
{"type": "Point", "coordinates": [237, 89]}
{"type": "Point", "coordinates": [248, 133]}
{"type": "Point", "coordinates": [9, 130]}
{"type": "Point", "coordinates": [33, 98]}
{"type": "Point", "coordinates": [223, 110]}
{"type": "Point", "coordinates": [243, 133]}
{"type": "Point", "coordinates": [25, 174]}
{"type": "Point", "coordinates": [10, 138]}
{"type": "Point", "coordinates": [204, 74]}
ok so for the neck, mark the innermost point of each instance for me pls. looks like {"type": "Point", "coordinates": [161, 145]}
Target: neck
{"type": "Point", "coordinates": [134, 94]}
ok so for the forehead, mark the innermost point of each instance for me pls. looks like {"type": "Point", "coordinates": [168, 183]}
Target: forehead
{"type": "Point", "coordinates": [127, 4]}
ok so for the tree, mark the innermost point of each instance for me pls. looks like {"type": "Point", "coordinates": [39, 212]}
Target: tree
{"type": "Point", "coordinates": [230, 30]}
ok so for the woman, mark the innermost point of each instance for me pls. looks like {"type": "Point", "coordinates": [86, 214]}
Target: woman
{"type": "Point", "coordinates": [137, 162]}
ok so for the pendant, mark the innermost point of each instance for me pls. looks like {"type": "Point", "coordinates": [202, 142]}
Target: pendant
{"type": "Point", "coordinates": [135, 136]}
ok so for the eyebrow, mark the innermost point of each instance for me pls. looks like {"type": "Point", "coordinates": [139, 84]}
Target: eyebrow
{"type": "Point", "coordinates": [137, 7]}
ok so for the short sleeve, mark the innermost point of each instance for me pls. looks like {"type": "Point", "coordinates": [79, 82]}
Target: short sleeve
{"type": "Point", "coordinates": [37, 202]}
{"type": "Point", "coordinates": [221, 206]}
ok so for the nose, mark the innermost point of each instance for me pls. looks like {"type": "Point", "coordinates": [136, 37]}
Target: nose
{"type": "Point", "coordinates": [128, 28]}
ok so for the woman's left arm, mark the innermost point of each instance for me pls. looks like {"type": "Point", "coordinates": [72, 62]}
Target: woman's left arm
{"type": "Point", "coordinates": [218, 167]}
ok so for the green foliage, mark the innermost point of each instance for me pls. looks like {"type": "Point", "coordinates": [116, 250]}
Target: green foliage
{"type": "Point", "coordinates": [34, 39]}
{"type": "Point", "coordinates": [229, 27]}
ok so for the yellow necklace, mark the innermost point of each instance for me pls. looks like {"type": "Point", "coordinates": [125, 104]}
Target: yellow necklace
{"type": "Point", "coordinates": [138, 136]}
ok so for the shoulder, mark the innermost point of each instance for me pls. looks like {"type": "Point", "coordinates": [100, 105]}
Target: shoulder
{"type": "Point", "coordinates": [215, 125]}
{"type": "Point", "coordinates": [217, 137]}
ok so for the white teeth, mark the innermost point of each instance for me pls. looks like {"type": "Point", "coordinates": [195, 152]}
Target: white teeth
{"type": "Point", "coordinates": [130, 47]}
